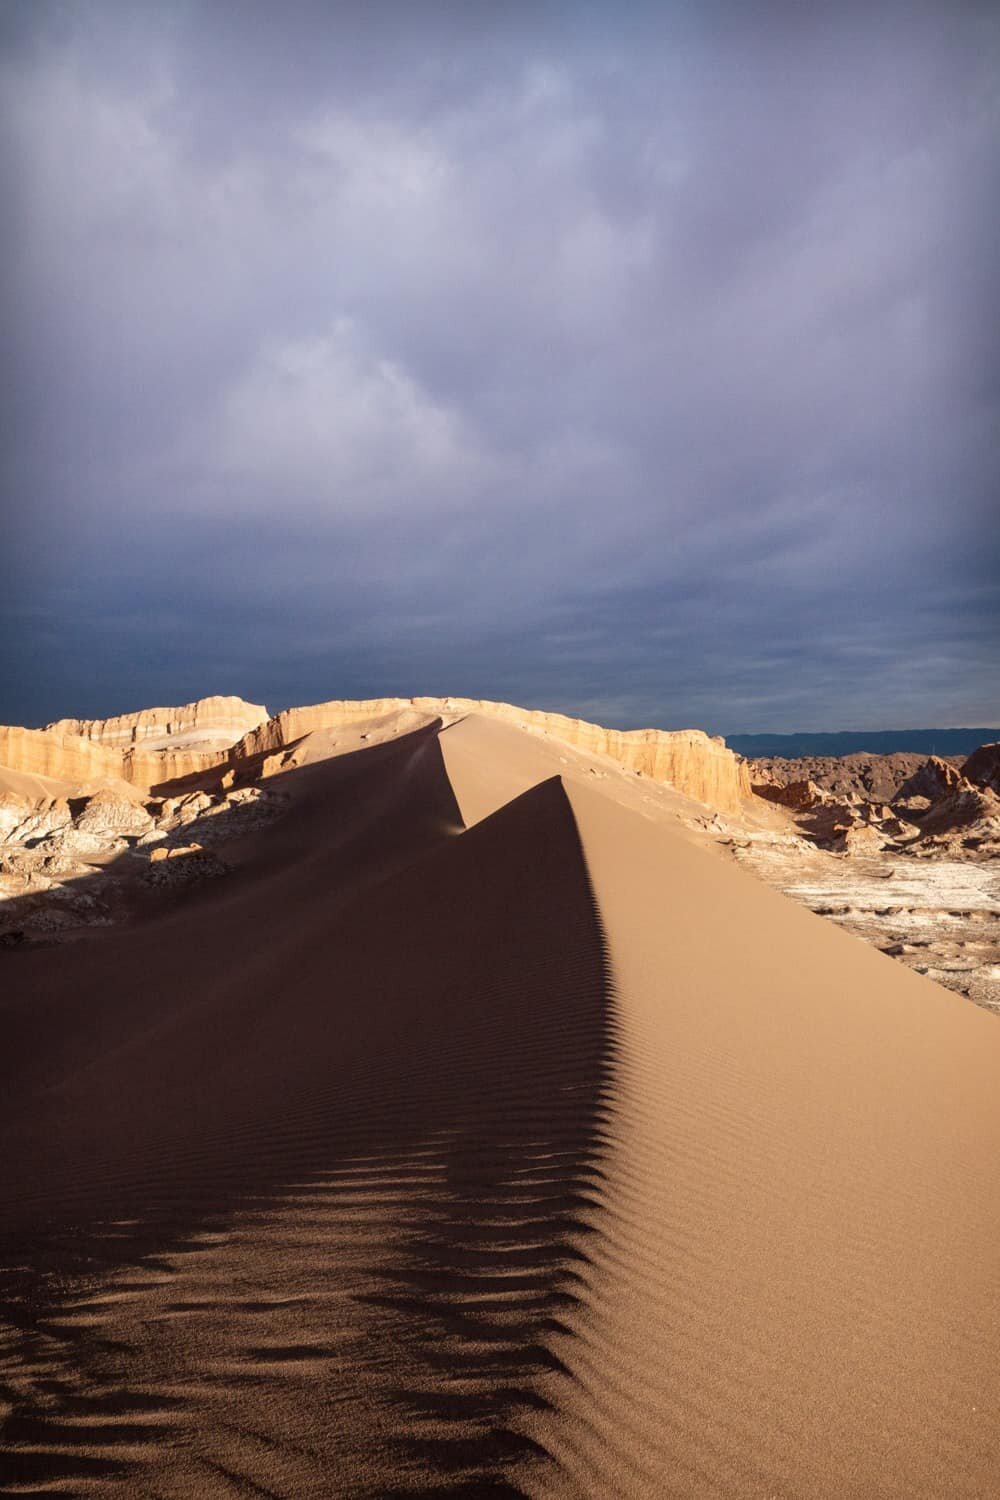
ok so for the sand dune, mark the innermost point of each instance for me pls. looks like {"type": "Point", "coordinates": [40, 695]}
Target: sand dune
{"type": "Point", "coordinates": [786, 1296]}
{"type": "Point", "coordinates": [481, 1135]}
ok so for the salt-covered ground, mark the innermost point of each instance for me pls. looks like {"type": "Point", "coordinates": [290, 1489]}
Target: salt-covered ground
{"type": "Point", "coordinates": [938, 916]}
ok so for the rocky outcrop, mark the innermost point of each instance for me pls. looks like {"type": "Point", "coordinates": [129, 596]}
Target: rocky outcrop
{"type": "Point", "coordinates": [72, 759]}
{"type": "Point", "coordinates": [933, 779]}
{"type": "Point", "coordinates": [42, 819]}
{"type": "Point", "coordinates": [147, 749]}
{"type": "Point", "coordinates": [108, 815]}
{"type": "Point", "coordinates": [959, 808]}
{"type": "Point", "coordinates": [63, 757]}
{"type": "Point", "coordinates": [862, 838]}
{"type": "Point", "coordinates": [13, 811]}
{"type": "Point", "coordinates": [687, 759]}
{"type": "Point", "coordinates": [158, 746]}
{"type": "Point", "coordinates": [983, 768]}
{"type": "Point", "coordinates": [798, 795]}
{"type": "Point", "coordinates": [210, 722]}
{"type": "Point", "coordinates": [878, 777]}
{"type": "Point", "coordinates": [183, 864]}
{"type": "Point", "coordinates": [67, 864]}
{"type": "Point", "coordinates": [154, 770]}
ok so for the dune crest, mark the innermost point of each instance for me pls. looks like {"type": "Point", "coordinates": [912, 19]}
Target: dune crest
{"type": "Point", "coordinates": [481, 1134]}
{"type": "Point", "coordinates": [158, 745]}
{"type": "Point", "coordinates": [687, 759]}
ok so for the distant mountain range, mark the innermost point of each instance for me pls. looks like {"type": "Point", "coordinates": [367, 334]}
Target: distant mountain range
{"type": "Point", "coordinates": [850, 741]}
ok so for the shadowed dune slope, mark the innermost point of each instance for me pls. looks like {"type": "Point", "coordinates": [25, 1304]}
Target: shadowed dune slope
{"type": "Point", "coordinates": [295, 1178]}
{"type": "Point", "coordinates": [552, 1157]}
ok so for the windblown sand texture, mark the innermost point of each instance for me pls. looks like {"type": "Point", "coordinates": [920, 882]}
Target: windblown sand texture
{"type": "Point", "coordinates": [483, 1135]}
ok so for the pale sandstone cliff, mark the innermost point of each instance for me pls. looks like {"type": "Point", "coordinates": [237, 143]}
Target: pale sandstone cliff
{"type": "Point", "coordinates": [146, 748]}
{"type": "Point", "coordinates": [688, 759]}
{"type": "Point", "coordinates": [65, 757]}
{"type": "Point", "coordinates": [159, 745]}
{"type": "Point", "coordinates": [210, 721]}
{"type": "Point", "coordinates": [72, 758]}
{"type": "Point", "coordinates": [153, 769]}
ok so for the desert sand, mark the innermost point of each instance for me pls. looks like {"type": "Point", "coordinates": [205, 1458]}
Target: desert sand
{"type": "Point", "coordinates": [486, 1132]}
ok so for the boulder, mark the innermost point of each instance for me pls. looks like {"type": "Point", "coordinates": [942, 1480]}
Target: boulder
{"type": "Point", "coordinates": [183, 865]}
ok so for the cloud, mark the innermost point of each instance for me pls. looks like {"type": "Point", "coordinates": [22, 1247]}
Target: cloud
{"type": "Point", "coordinates": [339, 428]}
{"type": "Point", "coordinates": [641, 367]}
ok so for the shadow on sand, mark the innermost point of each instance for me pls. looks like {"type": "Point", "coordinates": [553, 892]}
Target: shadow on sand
{"type": "Point", "coordinates": [303, 1167]}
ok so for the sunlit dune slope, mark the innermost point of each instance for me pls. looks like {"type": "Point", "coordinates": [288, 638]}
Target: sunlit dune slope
{"type": "Point", "coordinates": [481, 1135]}
{"type": "Point", "coordinates": [794, 1287]}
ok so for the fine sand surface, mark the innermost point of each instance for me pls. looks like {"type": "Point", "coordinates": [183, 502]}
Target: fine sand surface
{"type": "Point", "coordinates": [482, 1135]}
{"type": "Point", "coordinates": [25, 784]}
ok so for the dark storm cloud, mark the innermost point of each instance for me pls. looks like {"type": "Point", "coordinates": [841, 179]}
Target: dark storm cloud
{"type": "Point", "coordinates": [640, 367]}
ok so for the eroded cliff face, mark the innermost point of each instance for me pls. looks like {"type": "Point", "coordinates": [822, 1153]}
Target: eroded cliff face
{"type": "Point", "coordinates": [64, 757]}
{"type": "Point", "coordinates": [160, 745]}
{"type": "Point", "coordinates": [687, 759]}
{"type": "Point", "coordinates": [212, 722]}
{"type": "Point", "coordinates": [156, 769]}
{"type": "Point", "coordinates": [147, 748]}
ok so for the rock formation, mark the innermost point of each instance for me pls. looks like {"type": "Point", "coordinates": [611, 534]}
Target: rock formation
{"type": "Point", "coordinates": [157, 746]}
{"type": "Point", "coordinates": [49, 886]}
{"type": "Point", "coordinates": [860, 838]}
{"type": "Point", "coordinates": [146, 749]}
{"type": "Point", "coordinates": [14, 809]}
{"type": "Point", "coordinates": [687, 759]}
{"type": "Point", "coordinates": [983, 768]}
{"type": "Point", "coordinates": [210, 722]}
{"type": "Point", "coordinates": [932, 779]}
{"type": "Point", "coordinates": [115, 816]}
{"type": "Point", "coordinates": [795, 794]}
{"type": "Point", "coordinates": [960, 807]}
{"type": "Point", "coordinates": [63, 757]}
{"type": "Point", "coordinates": [145, 803]}
{"type": "Point", "coordinates": [876, 776]}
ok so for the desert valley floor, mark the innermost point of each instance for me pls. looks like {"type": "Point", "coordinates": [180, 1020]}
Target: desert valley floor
{"type": "Point", "coordinates": [486, 1130]}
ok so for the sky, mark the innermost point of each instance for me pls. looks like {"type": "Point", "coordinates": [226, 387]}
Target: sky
{"type": "Point", "coordinates": [638, 362]}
